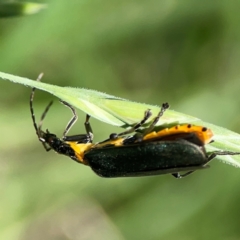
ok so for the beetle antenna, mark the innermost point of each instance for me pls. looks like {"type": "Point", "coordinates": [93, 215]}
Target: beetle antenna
{"type": "Point", "coordinates": [43, 116]}
{"type": "Point", "coordinates": [38, 128]}
{"type": "Point", "coordinates": [31, 107]}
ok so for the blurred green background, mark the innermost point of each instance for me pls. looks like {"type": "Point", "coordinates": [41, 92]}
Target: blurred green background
{"type": "Point", "coordinates": [184, 52]}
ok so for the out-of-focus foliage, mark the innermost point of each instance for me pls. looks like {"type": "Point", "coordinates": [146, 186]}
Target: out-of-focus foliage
{"type": "Point", "coordinates": [184, 52]}
{"type": "Point", "coordinates": [14, 9]}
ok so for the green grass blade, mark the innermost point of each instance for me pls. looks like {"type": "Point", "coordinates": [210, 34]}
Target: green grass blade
{"type": "Point", "coordinates": [121, 112]}
{"type": "Point", "coordinates": [107, 108]}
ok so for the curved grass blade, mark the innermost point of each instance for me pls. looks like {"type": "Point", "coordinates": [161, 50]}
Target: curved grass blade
{"type": "Point", "coordinates": [123, 113]}
{"type": "Point", "coordinates": [104, 107]}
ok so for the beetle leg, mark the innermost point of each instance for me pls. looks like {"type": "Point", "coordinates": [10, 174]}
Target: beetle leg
{"type": "Point", "coordinates": [88, 128]}
{"type": "Point", "coordinates": [147, 115]}
{"type": "Point", "coordinates": [164, 107]}
{"type": "Point", "coordinates": [82, 138]}
{"type": "Point", "coordinates": [179, 175]}
{"type": "Point", "coordinates": [139, 136]}
{"type": "Point", "coordinates": [221, 153]}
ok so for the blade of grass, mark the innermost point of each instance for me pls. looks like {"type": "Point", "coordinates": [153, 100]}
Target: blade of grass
{"type": "Point", "coordinates": [121, 112]}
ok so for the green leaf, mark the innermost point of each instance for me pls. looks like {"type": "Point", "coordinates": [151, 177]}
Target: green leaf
{"type": "Point", "coordinates": [14, 9]}
{"type": "Point", "coordinates": [123, 113]}
{"type": "Point", "coordinates": [107, 108]}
